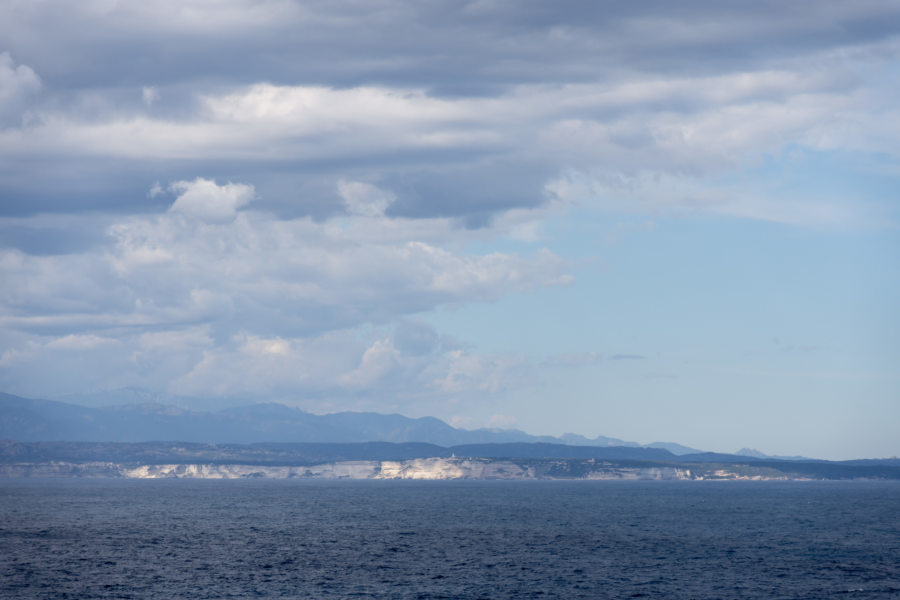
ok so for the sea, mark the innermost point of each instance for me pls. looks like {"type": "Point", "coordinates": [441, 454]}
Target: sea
{"type": "Point", "coordinates": [86, 539]}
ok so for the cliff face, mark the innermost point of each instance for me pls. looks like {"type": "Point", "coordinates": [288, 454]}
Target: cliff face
{"type": "Point", "coordinates": [425, 468]}
{"type": "Point", "coordinates": [253, 463]}
{"type": "Point", "coordinates": [428, 468]}
{"type": "Point", "coordinates": [61, 469]}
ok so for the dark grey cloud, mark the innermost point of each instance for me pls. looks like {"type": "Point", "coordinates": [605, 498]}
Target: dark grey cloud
{"type": "Point", "coordinates": [473, 192]}
{"type": "Point", "coordinates": [435, 44]}
{"type": "Point", "coordinates": [49, 239]}
{"type": "Point", "coordinates": [94, 62]}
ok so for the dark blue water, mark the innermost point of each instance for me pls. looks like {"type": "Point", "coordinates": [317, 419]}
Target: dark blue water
{"type": "Point", "coordinates": [311, 539]}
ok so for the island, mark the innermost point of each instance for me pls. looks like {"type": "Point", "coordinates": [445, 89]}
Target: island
{"type": "Point", "coordinates": [414, 461]}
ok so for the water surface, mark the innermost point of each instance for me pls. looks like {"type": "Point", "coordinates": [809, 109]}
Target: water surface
{"type": "Point", "coordinates": [449, 539]}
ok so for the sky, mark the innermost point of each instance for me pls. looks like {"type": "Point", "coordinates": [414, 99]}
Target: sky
{"type": "Point", "coordinates": [654, 221]}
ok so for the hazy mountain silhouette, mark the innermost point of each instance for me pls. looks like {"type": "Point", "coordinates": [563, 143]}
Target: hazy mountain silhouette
{"type": "Point", "coordinates": [31, 420]}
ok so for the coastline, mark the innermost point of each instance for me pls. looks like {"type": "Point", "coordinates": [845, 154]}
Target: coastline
{"type": "Point", "coordinates": [416, 469]}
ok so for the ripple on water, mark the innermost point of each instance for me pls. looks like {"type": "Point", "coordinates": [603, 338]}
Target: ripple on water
{"type": "Point", "coordinates": [302, 539]}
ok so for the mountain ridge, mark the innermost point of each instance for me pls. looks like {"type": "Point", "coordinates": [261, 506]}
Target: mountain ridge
{"type": "Point", "coordinates": [34, 420]}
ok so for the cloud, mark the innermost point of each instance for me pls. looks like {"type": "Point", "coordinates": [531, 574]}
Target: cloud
{"type": "Point", "coordinates": [204, 199]}
{"type": "Point", "coordinates": [149, 94]}
{"type": "Point", "coordinates": [80, 342]}
{"type": "Point", "coordinates": [155, 190]}
{"type": "Point", "coordinates": [18, 83]}
{"type": "Point", "coordinates": [461, 372]}
{"type": "Point", "coordinates": [376, 363]}
{"type": "Point", "coordinates": [344, 370]}
{"type": "Point", "coordinates": [759, 198]}
{"type": "Point", "coordinates": [217, 300]}
{"type": "Point", "coordinates": [364, 199]}
{"type": "Point", "coordinates": [363, 163]}
{"type": "Point", "coordinates": [459, 46]}
{"type": "Point", "coordinates": [468, 112]}
{"type": "Point", "coordinates": [256, 270]}
{"type": "Point", "coordinates": [415, 337]}
{"type": "Point", "coordinates": [478, 158]}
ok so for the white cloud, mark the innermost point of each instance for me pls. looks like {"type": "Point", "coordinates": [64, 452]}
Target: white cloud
{"type": "Point", "coordinates": [378, 360]}
{"type": "Point", "coordinates": [654, 119]}
{"type": "Point", "coordinates": [204, 199]}
{"type": "Point", "coordinates": [222, 301]}
{"type": "Point", "coordinates": [464, 372]}
{"type": "Point", "coordinates": [80, 342]}
{"type": "Point", "coordinates": [149, 94]}
{"type": "Point", "coordinates": [364, 199]}
{"type": "Point", "coordinates": [257, 271]}
{"type": "Point", "coordinates": [314, 109]}
{"type": "Point", "coordinates": [349, 371]}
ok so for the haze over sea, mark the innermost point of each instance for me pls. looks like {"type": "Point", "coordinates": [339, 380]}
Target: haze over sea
{"type": "Point", "coordinates": [91, 539]}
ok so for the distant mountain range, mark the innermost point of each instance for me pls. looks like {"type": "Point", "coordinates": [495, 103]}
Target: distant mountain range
{"type": "Point", "coordinates": [31, 420]}
{"type": "Point", "coordinates": [43, 438]}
